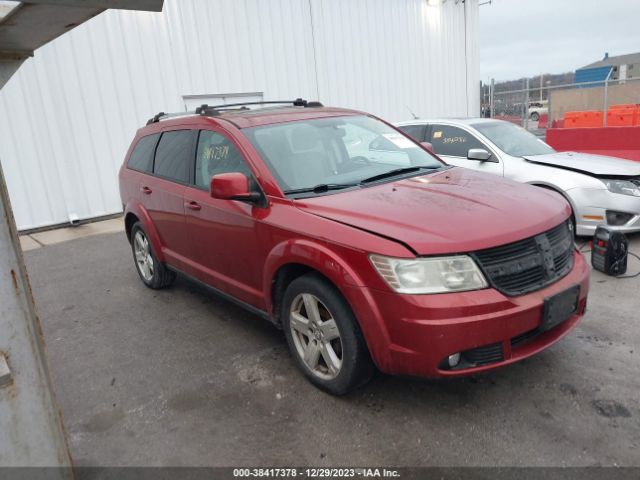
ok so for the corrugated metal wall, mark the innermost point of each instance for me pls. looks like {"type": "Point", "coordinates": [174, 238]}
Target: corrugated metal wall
{"type": "Point", "coordinates": [68, 116]}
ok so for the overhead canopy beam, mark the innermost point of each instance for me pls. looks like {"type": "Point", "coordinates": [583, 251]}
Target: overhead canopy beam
{"type": "Point", "coordinates": [148, 5]}
{"type": "Point", "coordinates": [37, 22]}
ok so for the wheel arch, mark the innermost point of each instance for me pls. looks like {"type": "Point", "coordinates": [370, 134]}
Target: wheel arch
{"type": "Point", "coordinates": [137, 213]}
{"type": "Point", "coordinates": [292, 258]}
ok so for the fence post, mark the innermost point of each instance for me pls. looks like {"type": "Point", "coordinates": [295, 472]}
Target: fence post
{"type": "Point", "coordinates": [606, 98]}
{"type": "Point", "coordinates": [525, 109]}
{"type": "Point", "coordinates": [491, 93]}
{"type": "Point", "coordinates": [549, 119]}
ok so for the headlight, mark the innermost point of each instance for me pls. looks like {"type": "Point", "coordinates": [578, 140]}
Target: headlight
{"type": "Point", "coordinates": [430, 275]}
{"type": "Point", "coordinates": [624, 187]}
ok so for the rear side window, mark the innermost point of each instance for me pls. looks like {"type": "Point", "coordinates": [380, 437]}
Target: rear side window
{"type": "Point", "coordinates": [141, 157]}
{"type": "Point", "coordinates": [174, 155]}
{"type": "Point", "coordinates": [414, 131]}
{"type": "Point", "coordinates": [453, 141]}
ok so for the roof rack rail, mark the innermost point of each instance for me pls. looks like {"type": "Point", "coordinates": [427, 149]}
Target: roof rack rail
{"type": "Point", "coordinates": [156, 118]}
{"type": "Point", "coordinates": [211, 110]}
{"type": "Point", "coordinates": [214, 110]}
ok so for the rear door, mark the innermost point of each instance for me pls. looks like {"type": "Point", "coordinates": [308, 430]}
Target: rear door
{"type": "Point", "coordinates": [139, 167]}
{"type": "Point", "coordinates": [453, 143]}
{"type": "Point", "coordinates": [162, 193]}
{"type": "Point", "coordinates": [225, 237]}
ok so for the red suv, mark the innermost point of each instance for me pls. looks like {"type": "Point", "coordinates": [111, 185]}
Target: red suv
{"type": "Point", "coordinates": [364, 247]}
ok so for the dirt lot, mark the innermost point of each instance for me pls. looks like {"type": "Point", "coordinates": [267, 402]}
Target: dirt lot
{"type": "Point", "coordinates": [181, 377]}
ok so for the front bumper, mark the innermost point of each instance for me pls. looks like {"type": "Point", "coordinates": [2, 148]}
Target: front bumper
{"type": "Point", "coordinates": [591, 207]}
{"type": "Point", "coordinates": [413, 334]}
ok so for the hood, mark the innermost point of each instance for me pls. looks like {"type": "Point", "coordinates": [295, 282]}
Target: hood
{"type": "Point", "coordinates": [598, 165]}
{"type": "Point", "coordinates": [452, 211]}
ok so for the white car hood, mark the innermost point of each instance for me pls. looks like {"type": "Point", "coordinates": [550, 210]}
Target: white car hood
{"type": "Point", "coordinates": [598, 165]}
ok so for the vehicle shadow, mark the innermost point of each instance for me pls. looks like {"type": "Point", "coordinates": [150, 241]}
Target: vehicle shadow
{"type": "Point", "coordinates": [383, 391]}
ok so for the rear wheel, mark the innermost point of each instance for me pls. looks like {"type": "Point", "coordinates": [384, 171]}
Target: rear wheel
{"type": "Point", "coordinates": [152, 272]}
{"type": "Point", "coordinates": [535, 116]}
{"type": "Point", "coordinates": [324, 337]}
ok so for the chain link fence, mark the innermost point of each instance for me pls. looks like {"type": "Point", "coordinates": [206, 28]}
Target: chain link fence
{"type": "Point", "coordinates": [538, 107]}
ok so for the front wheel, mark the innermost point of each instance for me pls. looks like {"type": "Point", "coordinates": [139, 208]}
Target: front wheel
{"type": "Point", "coordinates": [324, 337]}
{"type": "Point", "coordinates": [535, 116]}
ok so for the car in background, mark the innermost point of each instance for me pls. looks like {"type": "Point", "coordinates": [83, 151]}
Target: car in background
{"type": "Point", "coordinates": [601, 190]}
{"type": "Point", "coordinates": [365, 248]}
{"type": "Point", "coordinates": [537, 109]}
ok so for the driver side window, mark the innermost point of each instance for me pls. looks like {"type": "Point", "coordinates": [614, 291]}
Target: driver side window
{"type": "Point", "coordinates": [217, 154]}
{"type": "Point", "coordinates": [453, 141]}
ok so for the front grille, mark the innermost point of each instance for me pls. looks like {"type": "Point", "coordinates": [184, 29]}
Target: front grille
{"type": "Point", "coordinates": [484, 355]}
{"type": "Point", "coordinates": [529, 264]}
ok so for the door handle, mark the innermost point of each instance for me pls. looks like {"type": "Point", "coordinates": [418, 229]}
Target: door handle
{"type": "Point", "coordinates": [193, 205]}
{"type": "Point", "coordinates": [146, 190]}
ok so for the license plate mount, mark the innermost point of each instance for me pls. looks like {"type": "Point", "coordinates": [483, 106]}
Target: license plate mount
{"type": "Point", "coordinates": [560, 307]}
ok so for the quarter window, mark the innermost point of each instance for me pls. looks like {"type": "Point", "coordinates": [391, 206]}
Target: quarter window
{"type": "Point", "coordinates": [414, 131]}
{"type": "Point", "coordinates": [453, 141]}
{"type": "Point", "coordinates": [141, 157]}
{"type": "Point", "coordinates": [173, 155]}
{"type": "Point", "coordinates": [217, 154]}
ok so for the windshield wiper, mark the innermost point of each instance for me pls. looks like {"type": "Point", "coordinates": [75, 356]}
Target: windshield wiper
{"type": "Point", "coordinates": [399, 171]}
{"type": "Point", "coordinates": [323, 187]}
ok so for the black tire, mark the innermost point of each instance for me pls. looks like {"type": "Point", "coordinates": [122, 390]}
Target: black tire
{"type": "Point", "coordinates": [161, 276]}
{"type": "Point", "coordinates": [535, 116]}
{"type": "Point", "coordinates": [356, 366]}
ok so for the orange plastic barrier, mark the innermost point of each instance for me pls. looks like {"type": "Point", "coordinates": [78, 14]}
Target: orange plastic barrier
{"type": "Point", "coordinates": [623, 105]}
{"type": "Point", "coordinates": [592, 118]}
{"type": "Point", "coordinates": [622, 117]}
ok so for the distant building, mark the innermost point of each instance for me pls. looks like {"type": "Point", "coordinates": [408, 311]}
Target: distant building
{"type": "Point", "coordinates": [621, 67]}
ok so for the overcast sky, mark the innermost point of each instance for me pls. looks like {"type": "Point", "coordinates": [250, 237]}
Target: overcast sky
{"type": "Point", "coordinates": [520, 38]}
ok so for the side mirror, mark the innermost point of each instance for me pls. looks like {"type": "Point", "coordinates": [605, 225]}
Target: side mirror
{"type": "Point", "coordinates": [428, 146]}
{"type": "Point", "coordinates": [232, 186]}
{"type": "Point", "coordinates": [479, 154]}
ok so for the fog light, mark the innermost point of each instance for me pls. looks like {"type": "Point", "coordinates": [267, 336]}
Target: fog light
{"type": "Point", "coordinates": [618, 218]}
{"type": "Point", "coordinates": [454, 360]}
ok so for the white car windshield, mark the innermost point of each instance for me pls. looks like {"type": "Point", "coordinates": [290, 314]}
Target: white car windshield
{"type": "Point", "coordinates": [512, 139]}
{"type": "Point", "coordinates": [337, 152]}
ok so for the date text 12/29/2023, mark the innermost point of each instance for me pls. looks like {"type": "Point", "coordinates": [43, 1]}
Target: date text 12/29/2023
{"type": "Point", "coordinates": [315, 473]}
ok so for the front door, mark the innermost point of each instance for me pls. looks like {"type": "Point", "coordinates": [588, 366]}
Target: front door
{"type": "Point", "coordinates": [453, 143]}
{"type": "Point", "coordinates": [224, 235]}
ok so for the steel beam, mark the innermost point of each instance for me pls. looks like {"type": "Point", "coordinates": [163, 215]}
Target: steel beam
{"type": "Point", "coordinates": [31, 431]}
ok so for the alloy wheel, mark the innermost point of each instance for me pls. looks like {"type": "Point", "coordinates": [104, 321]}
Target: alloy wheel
{"type": "Point", "coordinates": [142, 252]}
{"type": "Point", "coordinates": [316, 336]}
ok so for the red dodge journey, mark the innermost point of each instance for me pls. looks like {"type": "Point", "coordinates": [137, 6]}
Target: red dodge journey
{"type": "Point", "coordinates": [365, 248]}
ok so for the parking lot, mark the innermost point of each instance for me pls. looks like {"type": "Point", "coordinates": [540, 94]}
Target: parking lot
{"type": "Point", "coordinates": [181, 377]}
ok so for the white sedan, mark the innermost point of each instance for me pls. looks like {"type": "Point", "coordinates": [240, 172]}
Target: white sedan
{"type": "Point", "coordinates": [601, 190]}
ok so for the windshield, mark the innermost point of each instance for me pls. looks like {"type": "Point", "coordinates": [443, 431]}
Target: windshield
{"type": "Point", "coordinates": [512, 139]}
{"type": "Point", "coordinates": [337, 151]}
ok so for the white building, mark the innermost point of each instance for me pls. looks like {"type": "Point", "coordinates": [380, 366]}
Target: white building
{"type": "Point", "coordinates": [67, 117]}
